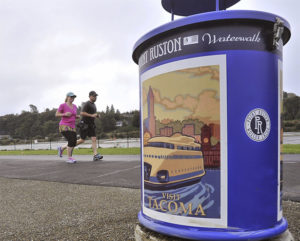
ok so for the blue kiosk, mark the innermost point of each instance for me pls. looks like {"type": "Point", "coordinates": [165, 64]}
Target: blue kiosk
{"type": "Point", "coordinates": [211, 104]}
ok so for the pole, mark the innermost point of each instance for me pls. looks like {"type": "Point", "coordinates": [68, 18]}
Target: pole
{"type": "Point", "coordinates": [217, 5]}
{"type": "Point", "coordinates": [172, 13]}
{"type": "Point", "coordinates": [127, 140]}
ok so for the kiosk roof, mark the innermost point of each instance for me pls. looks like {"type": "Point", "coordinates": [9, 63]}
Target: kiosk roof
{"type": "Point", "coordinates": [231, 15]}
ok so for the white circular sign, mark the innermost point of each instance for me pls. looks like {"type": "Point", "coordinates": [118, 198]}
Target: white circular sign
{"type": "Point", "coordinates": [258, 125]}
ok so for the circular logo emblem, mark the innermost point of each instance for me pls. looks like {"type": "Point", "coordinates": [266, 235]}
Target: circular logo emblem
{"type": "Point", "coordinates": [258, 125]}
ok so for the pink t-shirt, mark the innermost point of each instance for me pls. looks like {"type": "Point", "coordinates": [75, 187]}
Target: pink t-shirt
{"type": "Point", "coordinates": [68, 120]}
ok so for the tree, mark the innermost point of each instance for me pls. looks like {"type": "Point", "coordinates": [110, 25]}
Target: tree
{"type": "Point", "coordinates": [36, 128]}
{"type": "Point", "coordinates": [30, 124]}
{"type": "Point", "coordinates": [136, 119]}
{"type": "Point", "coordinates": [112, 110]}
{"type": "Point", "coordinates": [33, 109]}
{"type": "Point", "coordinates": [50, 127]}
{"type": "Point", "coordinates": [118, 115]}
{"type": "Point", "coordinates": [108, 121]}
{"type": "Point", "coordinates": [291, 108]}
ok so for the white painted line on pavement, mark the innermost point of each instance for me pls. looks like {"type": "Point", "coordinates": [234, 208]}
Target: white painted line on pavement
{"type": "Point", "coordinates": [46, 173]}
{"type": "Point", "coordinates": [118, 171]}
{"type": "Point", "coordinates": [112, 173]}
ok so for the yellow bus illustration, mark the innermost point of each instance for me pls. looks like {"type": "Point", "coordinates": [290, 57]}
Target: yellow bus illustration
{"type": "Point", "coordinates": [171, 162]}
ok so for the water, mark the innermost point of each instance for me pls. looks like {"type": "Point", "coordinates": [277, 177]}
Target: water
{"type": "Point", "coordinates": [122, 143]}
{"type": "Point", "coordinates": [291, 138]}
{"type": "Point", "coordinates": [205, 193]}
{"type": "Point", "coordinates": [288, 138]}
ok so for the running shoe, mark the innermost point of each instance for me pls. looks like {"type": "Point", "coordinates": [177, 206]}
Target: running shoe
{"type": "Point", "coordinates": [71, 160]}
{"type": "Point", "coordinates": [97, 157]}
{"type": "Point", "coordinates": [59, 152]}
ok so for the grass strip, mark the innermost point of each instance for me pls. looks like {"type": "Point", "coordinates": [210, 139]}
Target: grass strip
{"type": "Point", "coordinates": [291, 149]}
{"type": "Point", "coordinates": [79, 151]}
{"type": "Point", "coordinates": [287, 149]}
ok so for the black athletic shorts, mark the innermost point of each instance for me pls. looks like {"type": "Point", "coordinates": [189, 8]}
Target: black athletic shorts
{"type": "Point", "coordinates": [90, 132]}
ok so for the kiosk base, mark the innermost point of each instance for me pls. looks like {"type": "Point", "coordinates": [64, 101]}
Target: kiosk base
{"type": "Point", "coordinates": [194, 233]}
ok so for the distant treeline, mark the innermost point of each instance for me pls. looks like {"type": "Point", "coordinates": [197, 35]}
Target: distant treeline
{"type": "Point", "coordinates": [291, 112]}
{"type": "Point", "coordinates": [35, 125]}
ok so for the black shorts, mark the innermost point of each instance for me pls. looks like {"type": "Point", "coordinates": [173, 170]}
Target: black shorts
{"type": "Point", "coordinates": [71, 137]}
{"type": "Point", "coordinates": [90, 132]}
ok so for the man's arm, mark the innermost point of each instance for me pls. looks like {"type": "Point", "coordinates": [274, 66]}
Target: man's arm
{"type": "Point", "coordinates": [88, 115]}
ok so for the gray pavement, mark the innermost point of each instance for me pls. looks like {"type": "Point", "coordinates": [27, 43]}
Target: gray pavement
{"type": "Point", "coordinates": [114, 170]}
{"type": "Point", "coordinates": [43, 198]}
{"type": "Point", "coordinates": [291, 177]}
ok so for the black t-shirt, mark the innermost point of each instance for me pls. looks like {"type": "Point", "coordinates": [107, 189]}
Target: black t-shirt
{"type": "Point", "coordinates": [90, 108]}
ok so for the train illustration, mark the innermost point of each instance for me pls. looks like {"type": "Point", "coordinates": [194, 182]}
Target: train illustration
{"type": "Point", "coordinates": [172, 162]}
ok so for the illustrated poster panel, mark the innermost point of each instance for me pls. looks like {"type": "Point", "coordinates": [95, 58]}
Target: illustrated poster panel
{"type": "Point", "coordinates": [182, 142]}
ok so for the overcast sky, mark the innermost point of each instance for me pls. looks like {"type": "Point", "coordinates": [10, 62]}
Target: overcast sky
{"type": "Point", "coordinates": [51, 47]}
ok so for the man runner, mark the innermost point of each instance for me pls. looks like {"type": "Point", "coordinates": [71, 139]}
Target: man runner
{"type": "Point", "coordinates": [87, 124]}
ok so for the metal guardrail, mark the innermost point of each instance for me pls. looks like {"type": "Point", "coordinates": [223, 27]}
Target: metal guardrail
{"type": "Point", "coordinates": [52, 145]}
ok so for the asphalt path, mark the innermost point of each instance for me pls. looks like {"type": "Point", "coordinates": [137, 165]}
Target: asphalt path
{"type": "Point", "coordinates": [291, 177]}
{"type": "Point", "coordinates": [114, 170]}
